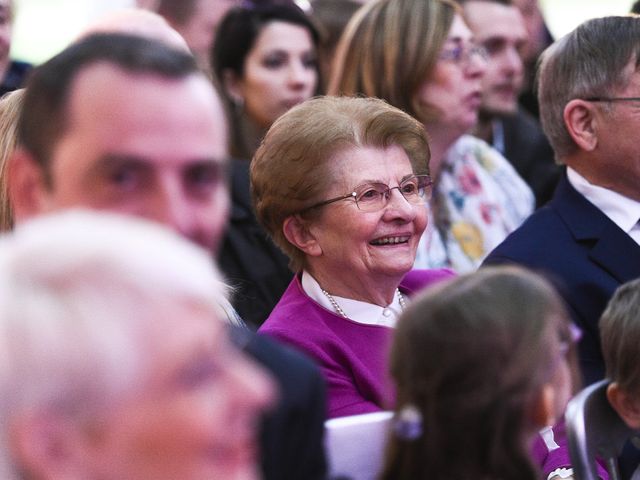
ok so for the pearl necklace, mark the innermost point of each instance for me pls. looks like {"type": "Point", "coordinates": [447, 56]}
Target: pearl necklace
{"type": "Point", "coordinates": [339, 310]}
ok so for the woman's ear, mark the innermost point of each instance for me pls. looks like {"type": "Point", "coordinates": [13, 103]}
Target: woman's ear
{"type": "Point", "coordinates": [232, 84]}
{"type": "Point", "coordinates": [626, 404]}
{"type": "Point", "coordinates": [297, 233]}
{"type": "Point", "coordinates": [543, 413]}
{"type": "Point", "coordinates": [581, 122]}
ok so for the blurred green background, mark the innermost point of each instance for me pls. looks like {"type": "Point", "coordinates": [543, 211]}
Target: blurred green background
{"type": "Point", "coordinates": [44, 27]}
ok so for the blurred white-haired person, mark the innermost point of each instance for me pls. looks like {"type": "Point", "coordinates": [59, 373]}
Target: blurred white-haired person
{"type": "Point", "coordinates": [114, 363]}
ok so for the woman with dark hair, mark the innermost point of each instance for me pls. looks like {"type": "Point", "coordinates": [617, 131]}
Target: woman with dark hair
{"type": "Point", "coordinates": [264, 58]}
{"type": "Point", "coordinates": [480, 364]}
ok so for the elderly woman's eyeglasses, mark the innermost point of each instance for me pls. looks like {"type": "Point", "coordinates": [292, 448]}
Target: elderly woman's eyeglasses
{"type": "Point", "coordinates": [462, 54]}
{"type": "Point", "coordinates": [371, 197]}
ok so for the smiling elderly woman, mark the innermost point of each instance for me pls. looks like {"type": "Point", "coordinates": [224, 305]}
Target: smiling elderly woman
{"type": "Point", "coordinates": [341, 184]}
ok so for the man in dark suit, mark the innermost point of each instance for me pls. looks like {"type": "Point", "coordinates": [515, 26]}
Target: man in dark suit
{"type": "Point", "coordinates": [498, 26]}
{"type": "Point", "coordinates": [127, 124]}
{"type": "Point", "coordinates": [587, 239]}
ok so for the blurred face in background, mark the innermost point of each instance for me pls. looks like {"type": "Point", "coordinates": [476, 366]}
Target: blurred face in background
{"type": "Point", "coordinates": [535, 26]}
{"type": "Point", "coordinates": [200, 30]}
{"type": "Point", "coordinates": [6, 13]}
{"type": "Point", "coordinates": [501, 31]}
{"type": "Point", "coordinates": [153, 147]}
{"type": "Point", "coordinates": [280, 71]}
{"type": "Point", "coordinates": [454, 86]}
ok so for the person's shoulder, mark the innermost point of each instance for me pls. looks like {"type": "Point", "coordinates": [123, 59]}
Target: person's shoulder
{"type": "Point", "coordinates": [419, 278]}
{"type": "Point", "coordinates": [293, 307]}
{"type": "Point", "coordinates": [280, 358]}
{"type": "Point", "coordinates": [298, 321]}
{"type": "Point", "coordinates": [524, 137]}
{"type": "Point", "coordinates": [522, 120]}
{"type": "Point", "coordinates": [537, 240]}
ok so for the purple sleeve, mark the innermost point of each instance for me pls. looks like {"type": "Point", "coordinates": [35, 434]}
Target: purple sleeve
{"type": "Point", "coordinates": [551, 451]}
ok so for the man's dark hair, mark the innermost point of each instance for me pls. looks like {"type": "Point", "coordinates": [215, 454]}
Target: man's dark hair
{"type": "Point", "coordinates": [44, 117]}
{"type": "Point", "coordinates": [635, 8]}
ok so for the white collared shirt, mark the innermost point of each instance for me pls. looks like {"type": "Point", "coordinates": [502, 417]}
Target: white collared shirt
{"type": "Point", "coordinates": [360, 312]}
{"type": "Point", "coordinates": [621, 210]}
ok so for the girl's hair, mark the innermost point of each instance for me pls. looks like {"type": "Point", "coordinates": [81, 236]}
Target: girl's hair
{"type": "Point", "coordinates": [471, 357]}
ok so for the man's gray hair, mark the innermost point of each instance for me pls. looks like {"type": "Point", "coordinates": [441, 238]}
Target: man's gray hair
{"type": "Point", "coordinates": [588, 62]}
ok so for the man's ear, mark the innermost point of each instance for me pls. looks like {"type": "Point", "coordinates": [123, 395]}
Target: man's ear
{"type": "Point", "coordinates": [297, 232]}
{"type": "Point", "coordinates": [543, 413]}
{"type": "Point", "coordinates": [231, 85]}
{"type": "Point", "coordinates": [46, 446]}
{"type": "Point", "coordinates": [26, 185]}
{"type": "Point", "coordinates": [581, 121]}
{"type": "Point", "coordinates": [626, 404]}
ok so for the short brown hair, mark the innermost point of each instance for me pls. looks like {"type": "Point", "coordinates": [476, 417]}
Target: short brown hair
{"type": "Point", "coordinates": [389, 49]}
{"type": "Point", "coordinates": [290, 170]}
{"type": "Point", "coordinates": [620, 336]}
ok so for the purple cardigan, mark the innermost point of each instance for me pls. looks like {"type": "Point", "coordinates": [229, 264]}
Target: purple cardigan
{"type": "Point", "coordinates": [351, 355]}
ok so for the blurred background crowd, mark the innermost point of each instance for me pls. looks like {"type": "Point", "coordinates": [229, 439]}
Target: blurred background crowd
{"type": "Point", "coordinates": [423, 208]}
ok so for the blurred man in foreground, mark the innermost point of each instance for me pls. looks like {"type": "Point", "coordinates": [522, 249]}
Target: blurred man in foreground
{"type": "Point", "coordinates": [126, 124]}
{"type": "Point", "coordinates": [114, 361]}
{"type": "Point", "coordinates": [498, 26]}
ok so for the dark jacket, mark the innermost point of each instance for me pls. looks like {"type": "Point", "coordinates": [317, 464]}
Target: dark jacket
{"type": "Point", "coordinates": [584, 253]}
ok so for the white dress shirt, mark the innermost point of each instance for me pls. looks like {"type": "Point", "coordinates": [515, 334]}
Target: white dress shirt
{"type": "Point", "coordinates": [621, 210]}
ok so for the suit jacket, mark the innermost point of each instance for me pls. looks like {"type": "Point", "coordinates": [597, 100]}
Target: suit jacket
{"type": "Point", "coordinates": [253, 265]}
{"type": "Point", "coordinates": [292, 435]}
{"type": "Point", "coordinates": [529, 151]}
{"type": "Point", "coordinates": [584, 253]}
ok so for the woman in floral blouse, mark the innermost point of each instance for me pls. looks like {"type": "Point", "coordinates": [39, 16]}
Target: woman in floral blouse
{"type": "Point", "coordinates": [419, 56]}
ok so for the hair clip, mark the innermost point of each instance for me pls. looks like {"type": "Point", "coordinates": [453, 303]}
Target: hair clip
{"type": "Point", "coordinates": [407, 423]}
{"type": "Point", "coordinates": [575, 332]}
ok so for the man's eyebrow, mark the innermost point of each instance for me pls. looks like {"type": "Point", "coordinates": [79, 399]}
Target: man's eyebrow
{"type": "Point", "coordinates": [133, 159]}
{"type": "Point", "coordinates": [114, 159]}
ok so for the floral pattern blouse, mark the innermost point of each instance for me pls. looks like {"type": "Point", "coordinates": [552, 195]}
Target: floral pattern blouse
{"type": "Point", "coordinates": [478, 199]}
